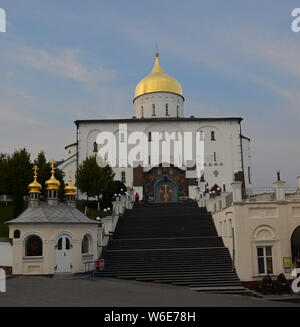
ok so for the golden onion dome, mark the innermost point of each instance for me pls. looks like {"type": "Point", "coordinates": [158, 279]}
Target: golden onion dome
{"type": "Point", "coordinates": [70, 189]}
{"type": "Point", "coordinates": [35, 187]}
{"type": "Point", "coordinates": [158, 81]}
{"type": "Point", "coordinates": [52, 183]}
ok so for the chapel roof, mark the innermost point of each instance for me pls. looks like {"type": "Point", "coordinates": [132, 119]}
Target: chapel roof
{"type": "Point", "coordinates": [58, 214]}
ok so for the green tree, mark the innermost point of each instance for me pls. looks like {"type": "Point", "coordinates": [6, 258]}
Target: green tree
{"type": "Point", "coordinates": [114, 187]}
{"type": "Point", "coordinates": [92, 179]}
{"type": "Point", "coordinates": [19, 175]}
{"type": "Point", "coordinates": [44, 173]}
{"type": "Point", "coordinates": [3, 173]}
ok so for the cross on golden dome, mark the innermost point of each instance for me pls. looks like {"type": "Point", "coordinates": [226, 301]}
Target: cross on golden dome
{"type": "Point", "coordinates": [52, 183]}
{"type": "Point", "coordinates": [70, 189]}
{"type": "Point", "coordinates": [35, 187]}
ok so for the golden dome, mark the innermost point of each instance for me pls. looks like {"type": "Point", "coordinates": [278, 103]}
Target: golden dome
{"type": "Point", "coordinates": [52, 183]}
{"type": "Point", "coordinates": [70, 189]}
{"type": "Point", "coordinates": [35, 187]}
{"type": "Point", "coordinates": [158, 81]}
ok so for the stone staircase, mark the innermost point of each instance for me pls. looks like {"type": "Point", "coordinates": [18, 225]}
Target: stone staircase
{"type": "Point", "coordinates": [174, 243]}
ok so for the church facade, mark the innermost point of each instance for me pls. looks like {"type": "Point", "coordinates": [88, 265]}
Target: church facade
{"type": "Point", "coordinates": [159, 108]}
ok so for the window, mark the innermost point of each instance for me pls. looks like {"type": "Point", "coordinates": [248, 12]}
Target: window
{"type": "Point", "coordinates": [95, 147]}
{"type": "Point", "coordinates": [68, 244]}
{"type": "Point", "coordinates": [122, 139]}
{"type": "Point", "coordinates": [33, 246]}
{"type": "Point", "coordinates": [142, 110]}
{"type": "Point", "coordinates": [213, 138]}
{"type": "Point", "coordinates": [59, 244]}
{"type": "Point", "coordinates": [17, 233]}
{"type": "Point", "coordinates": [123, 177]}
{"type": "Point", "coordinates": [167, 109]}
{"type": "Point", "coordinates": [265, 260]}
{"type": "Point", "coordinates": [153, 109]}
{"type": "Point", "coordinates": [85, 245]}
{"type": "Point", "coordinates": [225, 228]}
{"type": "Point", "coordinates": [177, 111]}
{"type": "Point", "coordinates": [149, 136]}
{"type": "Point", "coordinates": [249, 175]}
{"type": "Point", "coordinates": [230, 228]}
{"type": "Point", "coordinates": [215, 156]}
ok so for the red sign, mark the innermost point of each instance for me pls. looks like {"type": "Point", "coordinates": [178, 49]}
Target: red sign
{"type": "Point", "coordinates": [101, 264]}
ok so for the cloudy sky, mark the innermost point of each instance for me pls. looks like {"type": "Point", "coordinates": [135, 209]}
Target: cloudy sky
{"type": "Point", "coordinates": [63, 60]}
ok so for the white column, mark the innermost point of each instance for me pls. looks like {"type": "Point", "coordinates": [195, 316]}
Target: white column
{"type": "Point", "coordinates": [223, 195]}
{"type": "Point", "coordinates": [236, 191]}
{"type": "Point", "coordinates": [298, 179]}
{"type": "Point", "coordinates": [279, 190]}
{"type": "Point", "coordinates": [123, 201]}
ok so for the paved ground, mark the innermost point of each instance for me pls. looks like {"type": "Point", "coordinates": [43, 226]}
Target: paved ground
{"type": "Point", "coordinates": [40, 291]}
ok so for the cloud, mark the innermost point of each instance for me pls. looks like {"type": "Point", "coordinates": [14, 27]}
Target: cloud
{"type": "Point", "coordinates": [65, 64]}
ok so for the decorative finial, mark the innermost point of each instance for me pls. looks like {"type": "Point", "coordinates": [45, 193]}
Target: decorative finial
{"type": "Point", "coordinates": [70, 177]}
{"type": "Point", "coordinates": [52, 183]}
{"type": "Point", "coordinates": [156, 50]}
{"type": "Point", "coordinates": [52, 165]}
{"type": "Point", "coordinates": [35, 187]}
{"type": "Point", "coordinates": [70, 189]}
{"type": "Point", "coordinates": [35, 169]}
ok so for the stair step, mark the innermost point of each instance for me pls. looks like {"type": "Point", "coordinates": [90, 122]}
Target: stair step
{"type": "Point", "coordinates": [175, 243]}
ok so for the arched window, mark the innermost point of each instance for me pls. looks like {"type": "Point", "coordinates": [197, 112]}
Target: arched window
{"type": "Point", "coordinates": [17, 233]}
{"type": "Point", "coordinates": [213, 138]}
{"type": "Point", "coordinates": [153, 109]}
{"type": "Point", "coordinates": [142, 109]}
{"type": "Point", "coordinates": [177, 111]}
{"type": "Point", "coordinates": [149, 136]}
{"type": "Point", "coordinates": [95, 147]}
{"type": "Point", "coordinates": [86, 245]}
{"type": "Point", "coordinates": [33, 246]}
{"type": "Point", "coordinates": [167, 109]}
{"type": "Point", "coordinates": [123, 177]}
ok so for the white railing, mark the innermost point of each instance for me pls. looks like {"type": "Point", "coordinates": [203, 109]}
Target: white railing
{"type": "Point", "coordinates": [256, 195]}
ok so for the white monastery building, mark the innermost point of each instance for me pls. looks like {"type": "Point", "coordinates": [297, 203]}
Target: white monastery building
{"type": "Point", "coordinates": [159, 107]}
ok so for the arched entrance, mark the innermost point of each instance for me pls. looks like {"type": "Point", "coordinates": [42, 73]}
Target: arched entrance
{"type": "Point", "coordinates": [165, 190]}
{"type": "Point", "coordinates": [295, 244]}
{"type": "Point", "coordinates": [63, 255]}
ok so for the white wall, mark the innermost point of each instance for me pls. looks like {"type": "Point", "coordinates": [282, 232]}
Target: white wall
{"type": "Point", "coordinates": [227, 145]}
{"type": "Point", "coordinates": [143, 105]}
{"type": "Point", "coordinates": [5, 254]}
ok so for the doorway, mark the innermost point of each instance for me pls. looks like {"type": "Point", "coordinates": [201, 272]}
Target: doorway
{"type": "Point", "coordinates": [63, 255]}
{"type": "Point", "coordinates": [295, 244]}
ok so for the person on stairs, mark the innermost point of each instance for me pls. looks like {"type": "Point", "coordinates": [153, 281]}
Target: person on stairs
{"type": "Point", "coordinates": [283, 285]}
{"type": "Point", "coordinates": [268, 285]}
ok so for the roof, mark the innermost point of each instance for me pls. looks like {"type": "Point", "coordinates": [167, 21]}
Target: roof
{"type": "Point", "coordinates": [141, 120]}
{"type": "Point", "coordinates": [245, 137]}
{"type": "Point", "coordinates": [67, 146]}
{"type": "Point", "coordinates": [157, 81]}
{"type": "Point", "coordinates": [58, 163]}
{"type": "Point", "coordinates": [45, 213]}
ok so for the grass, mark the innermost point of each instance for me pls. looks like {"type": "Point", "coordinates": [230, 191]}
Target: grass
{"type": "Point", "coordinates": [6, 213]}
{"type": "Point", "coordinates": [93, 213]}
